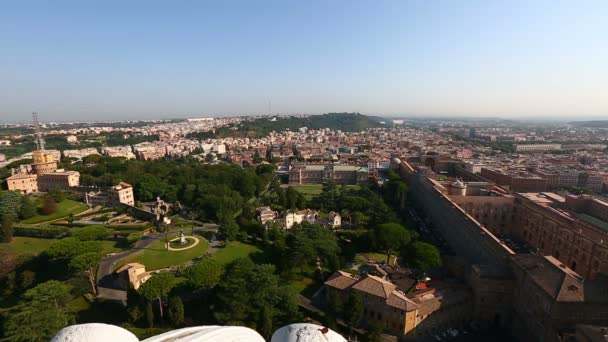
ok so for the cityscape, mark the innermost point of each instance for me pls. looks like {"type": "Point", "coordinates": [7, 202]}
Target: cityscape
{"type": "Point", "coordinates": [280, 171]}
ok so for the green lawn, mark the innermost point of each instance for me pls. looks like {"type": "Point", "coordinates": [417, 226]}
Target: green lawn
{"type": "Point", "coordinates": [375, 257]}
{"type": "Point", "coordinates": [30, 245]}
{"type": "Point", "coordinates": [234, 250]}
{"type": "Point", "coordinates": [310, 191]}
{"type": "Point", "coordinates": [27, 245]}
{"type": "Point", "coordinates": [64, 208]}
{"type": "Point", "coordinates": [156, 256]}
{"type": "Point", "coordinates": [108, 247]}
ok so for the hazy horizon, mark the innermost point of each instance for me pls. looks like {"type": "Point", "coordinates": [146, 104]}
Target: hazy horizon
{"type": "Point", "coordinates": [83, 61]}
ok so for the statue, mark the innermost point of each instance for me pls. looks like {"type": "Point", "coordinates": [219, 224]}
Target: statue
{"type": "Point", "coordinates": [182, 239]}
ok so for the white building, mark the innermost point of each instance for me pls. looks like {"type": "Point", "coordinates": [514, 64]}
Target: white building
{"type": "Point", "coordinates": [335, 220]}
{"type": "Point", "coordinates": [295, 217]}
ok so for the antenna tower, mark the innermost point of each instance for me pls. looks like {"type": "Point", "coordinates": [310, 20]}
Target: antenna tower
{"type": "Point", "coordinates": [38, 131]}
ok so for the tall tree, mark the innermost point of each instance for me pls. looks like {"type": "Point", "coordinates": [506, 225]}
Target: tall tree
{"type": "Point", "coordinates": [7, 227]}
{"type": "Point", "coordinates": [158, 287]}
{"type": "Point", "coordinates": [422, 255]}
{"type": "Point", "coordinates": [28, 209]}
{"type": "Point", "coordinates": [176, 311]}
{"type": "Point", "coordinates": [87, 263]}
{"type": "Point", "coordinates": [42, 312]}
{"type": "Point", "coordinates": [390, 237]}
{"type": "Point", "coordinates": [265, 300]}
{"type": "Point", "coordinates": [354, 314]}
{"type": "Point", "coordinates": [204, 274]}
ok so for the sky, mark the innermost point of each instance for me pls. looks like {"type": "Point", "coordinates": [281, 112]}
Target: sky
{"type": "Point", "coordinates": [131, 59]}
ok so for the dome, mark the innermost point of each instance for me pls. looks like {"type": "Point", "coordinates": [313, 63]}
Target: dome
{"type": "Point", "coordinates": [211, 333]}
{"type": "Point", "coordinates": [396, 160]}
{"type": "Point", "coordinates": [94, 332]}
{"type": "Point", "coordinates": [302, 332]}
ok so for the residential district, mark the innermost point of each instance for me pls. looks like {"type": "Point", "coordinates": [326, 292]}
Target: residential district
{"type": "Point", "coordinates": [516, 213]}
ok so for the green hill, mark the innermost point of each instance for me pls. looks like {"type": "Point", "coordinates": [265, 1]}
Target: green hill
{"type": "Point", "coordinates": [348, 122]}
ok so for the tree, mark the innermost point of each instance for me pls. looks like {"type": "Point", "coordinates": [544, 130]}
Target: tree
{"type": "Point", "coordinates": [28, 209]}
{"type": "Point", "coordinates": [204, 274]}
{"type": "Point", "coordinates": [7, 227]}
{"type": "Point", "coordinates": [374, 333]}
{"type": "Point", "coordinates": [71, 218]}
{"type": "Point", "coordinates": [158, 287]}
{"type": "Point", "coordinates": [10, 203]}
{"type": "Point", "coordinates": [42, 312]}
{"type": "Point", "coordinates": [390, 237]}
{"type": "Point", "coordinates": [57, 195]}
{"type": "Point", "coordinates": [176, 311]}
{"type": "Point", "coordinates": [422, 255]}
{"type": "Point", "coordinates": [49, 206]}
{"type": "Point", "coordinates": [229, 230]}
{"type": "Point", "coordinates": [87, 263]}
{"type": "Point", "coordinates": [264, 303]}
{"type": "Point", "coordinates": [69, 247]}
{"type": "Point", "coordinates": [149, 315]}
{"type": "Point", "coordinates": [354, 314]}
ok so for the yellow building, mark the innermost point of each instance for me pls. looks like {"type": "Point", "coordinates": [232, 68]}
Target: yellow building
{"type": "Point", "coordinates": [43, 162]}
{"type": "Point", "coordinates": [23, 183]}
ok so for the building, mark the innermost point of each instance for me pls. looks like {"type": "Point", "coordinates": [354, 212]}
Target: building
{"type": "Point", "coordinates": [296, 217]}
{"type": "Point", "coordinates": [119, 151]}
{"type": "Point", "coordinates": [58, 179]}
{"type": "Point", "coordinates": [382, 302]}
{"type": "Point", "coordinates": [79, 154]}
{"type": "Point", "coordinates": [266, 214]}
{"type": "Point", "coordinates": [536, 297]}
{"type": "Point", "coordinates": [4, 142]}
{"type": "Point", "coordinates": [537, 147]}
{"type": "Point", "coordinates": [43, 162]}
{"type": "Point", "coordinates": [334, 219]}
{"type": "Point", "coordinates": [318, 174]}
{"type": "Point", "coordinates": [110, 197]}
{"type": "Point", "coordinates": [422, 312]}
{"type": "Point", "coordinates": [551, 298]}
{"type": "Point", "coordinates": [133, 274]}
{"type": "Point", "coordinates": [71, 139]}
{"type": "Point", "coordinates": [516, 180]}
{"type": "Point", "coordinates": [23, 183]}
{"type": "Point", "coordinates": [573, 229]}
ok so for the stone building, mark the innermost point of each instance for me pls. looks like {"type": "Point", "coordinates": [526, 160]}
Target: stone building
{"type": "Point", "coordinates": [58, 179]}
{"type": "Point", "coordinates": [133, 274]}
{"type": "Point", "coordinates": [43, 162]}
{"type": "Point", "coordinates": [23, 183]}
{"type": "Point", "coordinates": [110, 197]}
{"type": "Point", "coordinates": [318, 174]}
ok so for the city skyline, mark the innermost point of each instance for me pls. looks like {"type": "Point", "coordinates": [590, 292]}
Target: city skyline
{"type": "Point", "coordinates": [113, 61]}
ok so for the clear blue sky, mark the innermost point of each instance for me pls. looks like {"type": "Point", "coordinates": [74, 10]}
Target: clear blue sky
{"type": "Point", "coordinates": [119, 59]}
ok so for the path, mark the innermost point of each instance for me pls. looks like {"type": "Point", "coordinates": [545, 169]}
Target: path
{"type": "Point", "coordinates": [106, 284]}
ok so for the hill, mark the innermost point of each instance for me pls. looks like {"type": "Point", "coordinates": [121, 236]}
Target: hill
{"type": "Point", "coordinates": [590, 124]}
{"type": "Point", "coordinates": [348, 122]}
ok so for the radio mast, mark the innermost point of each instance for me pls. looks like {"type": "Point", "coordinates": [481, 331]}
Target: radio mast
{"type": "Point", "coordinates": [38, 132]}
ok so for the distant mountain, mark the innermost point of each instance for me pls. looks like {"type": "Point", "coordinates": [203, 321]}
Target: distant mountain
{"type": "Point", "coordinates": [590, 124]}
{"type": "Point", "coordinates": [348, 122]}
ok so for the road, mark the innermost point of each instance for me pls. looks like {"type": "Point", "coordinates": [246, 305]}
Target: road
{"type": "Point", "coordinates": [105, 280]}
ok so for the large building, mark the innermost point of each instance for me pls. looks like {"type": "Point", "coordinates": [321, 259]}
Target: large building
{"type": "Point", "coordinates": [43, 162]}
{"type": "Point", "coordinates": [423, 312]}
{"type": "Point", "coordinates": [534, 261]}
{"type": "Point", "coordinates": [537, 147]}
{"type": "Point", "coordinates": [23, 183]}
{"type": "Point", "coordinates": [110, 197]}
{"type": "Point", "coordinates": [58, 179]}
{"type": "Point", "coordinates": [318, 174]}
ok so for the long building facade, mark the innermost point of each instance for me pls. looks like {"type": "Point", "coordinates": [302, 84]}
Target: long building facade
{"type": "Point", "coordinates": [538, 293]}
